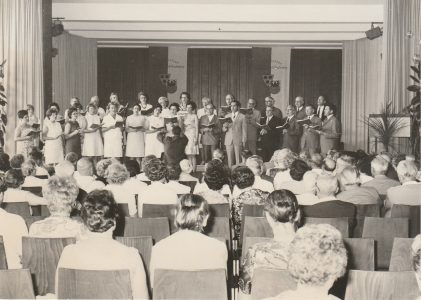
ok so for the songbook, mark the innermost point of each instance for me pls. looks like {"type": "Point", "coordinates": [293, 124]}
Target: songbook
{"type": "Point", "coordinates": [119, 124]}
{"type": "Point", "coordinates": [147, 112]}
{"type": "Point", "coordinates": [225, 120]}
{"type": "Point", "coordinates": [207, 126]}
{"type": "Point", "coordinates": [95, 126]}
{"type": "Point", "coordinates": [263, 126]}
{"type": "Point", "coordinates": [315, 127]}
{"type": "Point", "coordinates": [246, 111]}
{"type": "Point", "coordinates": [170, 120]}
{"type": "Point", "coordinates": [304, 121]}
{"type": "Point", "coordinates": [36, 126]}
{"type": "Point", "coordinates": [225, 110]}
{"type": "Point", "coordinates": [136, 127]}
{"type": "Point", "coordinates": [123, 110]}
{"type": "Point", "coordinates": [284, 126]}
{"type": "Point", "coordinates": [157, 128]}
{"type": "Point", "coordinates": [83, 113]}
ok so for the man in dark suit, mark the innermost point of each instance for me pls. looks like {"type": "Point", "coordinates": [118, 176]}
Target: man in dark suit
{"type": "Point", "coordinates": [269, 135]}
{"type": "Point", "coordinates": [269, 102]}
{"type": "Point", "coordinates": [210, 130]}
{"type": "Point", "coordinates": [292, 132]}
{"type": "Point", "coordinates": [300, 115]}
{"type": "Point", "coordinates": [330, 134]}
{"type": "Point", "coordinates": [311, 137]}
{"type": "Point", "coordinates": [321, 102]}
{"type": "Point", "coordinates": [252, 128]}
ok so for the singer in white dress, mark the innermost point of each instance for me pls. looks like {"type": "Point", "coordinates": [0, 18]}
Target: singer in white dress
{"type": "Point", "coordinates": [135, 127]}
{"type": "Point", "coordinates": [113, 137]}
{"type": "Point", "coordinates": [92, 145]}
{"type": "Point", "coordinates": [53, 137]}
{"type": "Point", "coordinates": [152, 145]}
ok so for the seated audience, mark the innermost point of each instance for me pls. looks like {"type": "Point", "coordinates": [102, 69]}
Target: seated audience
{"type": "Point", "coordinates": [380, 182]}
{"type": "Point", "coordinates": [84, 176]}
{"type": "Point", "coordinates": [409, 193]}
{"type": "Point", "coordinates": [215, 178]}
{"type": "Point", "coordinates": [145, 161]}
{"type": "Point", "coordinates": [283, 216]}
{"type": "Point", "coordinates": [188, 248]}
{"type": "Point", "coordinates": [352, 191]}
{"type": "Point", "coordinates": [98, 251]}
{"type": "Point", "coordinates": [202, 187]}
{"type": "Point", "coordinates": [297, 170]}
{"type": "Point", "coordinates": [37, 156]}
{"type": "Point", "coordinates": [17, 161]}
{"type": "Point", "coordinates": [14, 180]}
{"type": "Point", "coordinates": [416, 259]}
{"type": "Point", "coordinates": [173, 175]}
{"type": "Point", "coordinates": [29, 169]}
{"type": "Point", "coordinates": [101, 167]}
{"type": "Point", "coordinates": [133, 185]}
{"type": "Point", "coordinates": [218, 154]}
{"type": "Point", "coordinates": [4, 162]}
{"type": "Point", "coordinates": [60, 193]}
{"type": "Point", "coordinates": [342, 162]}
{"type": "Point", "coordinates": [245, 154]}
{"type": "Point", "coordinates": [12, 228]}
{"type": "Point", "coordinates": [328, 166]}
{"type": "Point", "coordinates": [255, 164]}
{"type": "Point", "coordinates": [243, 179]}
{"type": "Point", "coordinates": [116, 175]}
{"type": "Point", "coordinates": [186, 170]}
{"type": "Point", "coordinates": [72, 158]}
{"type": "Point", "coordinates": [157, 192]}
{"type": "Point", "coordinates": [317, 258]}
{"type": "Point", "coordinates": [283, 162]}
{"type": "Point", "coordinates": [309, 187]}
{"type": "Point", "coordinates": [316, 162]}
{"type": "Point", "coordinates": [64, 169]}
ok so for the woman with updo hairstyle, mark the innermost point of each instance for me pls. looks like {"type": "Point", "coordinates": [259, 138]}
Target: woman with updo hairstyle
{"type": "Point", "coordinates": [283, 215]}
{"type": "Point", "coordinates": [216, 179]}
{"type": "Point", "coordinates": [244, 193]}
{"type": "Point", "coordinates": [29, 170]}
{"type": "Point", "coordinates": [61, 194]}
{"type": "Point", "coordinates": [14, 180]}
{"type": "Point", "coordinates": [317, 258]}
{"type": "Point", "coordinates": [296, 172]}
{"type": "Point", "coordinates": [98, 250]}
{"type": "Point", "coordinates": [188, 248]}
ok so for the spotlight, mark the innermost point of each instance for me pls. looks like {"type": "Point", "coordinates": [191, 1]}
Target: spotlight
{"type": "Point", "coordinates": [57, 27]}
{"type": "Point", "coordinates": [374, 32]}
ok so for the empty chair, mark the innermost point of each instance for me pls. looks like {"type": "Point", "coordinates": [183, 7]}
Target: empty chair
{"type": "Point", "coordinates": [257, 227]}
{"type": "Point", "coordinates": [383, 231]}
{"type": "Point", "coordinates": [412, 212]}
{"type": "Point", "coordinates": [16, 284]}
{"type": "Point", "coordinates": [364, 210]}
{"type": "Point", "coordinates": [3, 261]}
{"type": "Point", "coordinates": [204, 284]}
{"type": "Point", "coordinates": [161, 210]}
{"type": "Point", "coordinates": [341, 224]}
{"type": "Point", "coordinates": [369, 285]}
{"type": "Point", "coordinates": [190, 184]}
{"type": "Point", "coordinates": [36, 190]}
{"type": "Point", "coordinates": [360, 254]}
{"type": "Point", "coordinates": [142, 243]}
{"type": "Point", "coordinates": [157, 228]}
{"type": "Point", "coordinates": [271, 282]}
{"type": "Point", "coordinates": [19, 208]}
{"type": "Point", "coordinates": [41, 256]}
{"type": "Point", "coordinates": [219, 210]}
{"type": "Point", "coordinates": [89, 284]}
{"type": "Point", "coordinates": [401, 258]}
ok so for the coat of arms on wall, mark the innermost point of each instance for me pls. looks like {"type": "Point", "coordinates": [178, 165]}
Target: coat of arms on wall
{"type": "Point", "coordinates": [273, 85]}
{"type": "Point", "coordinates": [170, 84]}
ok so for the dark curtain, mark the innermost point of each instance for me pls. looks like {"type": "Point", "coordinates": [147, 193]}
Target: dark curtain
{"type": "Point", "coordinates": [216, 72]}
{"type": "Point", "coordinates": [316, 72]}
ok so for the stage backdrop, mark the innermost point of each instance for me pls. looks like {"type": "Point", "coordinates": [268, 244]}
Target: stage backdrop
{"type": "Point", "coordinates": [316, 72]}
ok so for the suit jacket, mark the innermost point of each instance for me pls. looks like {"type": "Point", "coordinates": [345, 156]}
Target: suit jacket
{"type": "Point", "coordinates": [407, 194]}
{"type": "Point", "coordinates": [332, 134]}
{"type": "Point", "coordinates": [292, 137]}
{"type": "Point", "coordinates": [320, 112]}
{"type": "Point", "coordinates": [252, 129]}
{"type": "Point", "coordinates": [382, 183]}
{"type": "Point", "coordinates": [271, 138]}
{"type": "Point", "coordinates": [300, 115]}
{"type": "Point", "coordinates": [276, 112]}
{"type": "Point", "coordinates": [311, 137]}
{"type": "Point", "coordinates": [210, 137]}
{"type": "Point", "coordinates": [237, 131]}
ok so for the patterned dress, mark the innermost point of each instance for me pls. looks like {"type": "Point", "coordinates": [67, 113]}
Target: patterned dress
{"type": "Point", "coordinates": [23, 147]}
{"type": "Point", "coordinates": [190, 131]}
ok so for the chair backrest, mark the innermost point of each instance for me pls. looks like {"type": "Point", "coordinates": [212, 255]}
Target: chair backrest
{"type": "Point", "coordinates": [157, 228]}
{"type": "Point", "coordinates": [268, 283]}
{"type": "Point", "coordinates": [190, 184]}
{"type": "Point", "coordinates": [368, 285]}
{"type": "Point", "coordinates": [219, 210]}
{"type": "Point", "coordinates": [219, 227]}
{"type": "Point", "coordinates": [342, 223]}
{"type": "Point", "coordinates": [161, 210]}
{"type": "Point", "coordinates": [412, 212]}
{"type": "Point", "coordinates": [383, 231]}
{"type": "Point", "coordinates": [250, 241]}
{"type": "Point", "coordinates": [257, 227]}
{"type": "Point", "coordinates": [142, 243]}
{"type": "Point", "coordinates": [17, 208]}
{"type": "Point", "coordinates": [16, 284]}
{"type": "Point", "coordinates": [360, 254]}
{"type": "Point", "coordinates": [3, 261]}
{"type": "Point", "coordinates": [36, 190]}
{"type": "Point", "coordinates": [253, 210]}
{"type": "Point", "coordinates": [203, 284]}
{"type": "Point", "coordinates": [364, 210]}
{"type": "Point", "coordinates": [89, 284]}
{"type": "Point", "coordinates": [32, 219]}
{"type": "Point", "coordinates": [401, 258]}
{"type": "Point", "coordinates": [40, 210]}
{"type": "Point", "coordinates": [41, 256]}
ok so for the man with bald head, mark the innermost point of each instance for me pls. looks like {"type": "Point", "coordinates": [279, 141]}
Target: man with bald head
{"type": "Point", "coordinates": [252, 127]}
{"type": "Point", "coordinates": [270, 102]}
{"type": "Point", "coordinates": [84, 176]}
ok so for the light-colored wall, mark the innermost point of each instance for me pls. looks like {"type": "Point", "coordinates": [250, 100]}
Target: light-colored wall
{"type": "Point", "coordinates": [177, 68]}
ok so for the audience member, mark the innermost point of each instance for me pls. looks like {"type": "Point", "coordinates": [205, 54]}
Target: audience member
{"type": "Point", "coordinates": [133, 185]}
{"type": "Point", "coordinates": [72, 158]}
{"type": "Point", "coordinates": [316, 163]}
{"type": "Point", "coordinates": [101, 167]}
{"type": "Point", "coordinates": [64, 169]}
{"type": "Point", "coordinates": [309, 187]}
{"type": "Point", "coordinates": [297, 170]}
{"type": "Point", "coordinates": [215, 179]}
{"type": "Point", "coordinates": [416, 259]}
{"type": "Point", "coordinates": [218, 154]}
{"type": "Point", "coordinates": [186, 170]}
{"type": "Point", "coordinates": [60, 193]}
{"type": "Point", "coordinates": [255, 164]}
{"type": "Point", "coordinates": [12, 229]}
{"type": "Point", "coordinates": [17, 161]}
{"type": "Point", "coordinates": [328, 166]}
{"type": "Point", "coordinates": [99, 251]}
{"type": "Point", "coordinates": [342, 162]}
{"type": "Point", "coordinates": [202, 187]}
{"type": "Point", "coordinates": [145, 161]}
{"type": "Point", "coordinates": [84, 176]}
{"type": "Point", "coordinates": [283, 215]}
{"type": "Point", "coordinates": [245, 153]}
{"type": "Point", "coordinates": [317, 257]}
{"type": "Point", "coordinates": [14, 180]}
{"type": "Point", "coordinates": [188, 248]}
{"type": "Point", "coordinates": [4, 162]}
{"type": "Point", "coordinates": [283, 161]}
{"type": "Point", "coordinates": [29, 169]}
{"type": "Point", "coordinates": [173, 175]}
{"type": "Point", "coordinates": [37, 156]}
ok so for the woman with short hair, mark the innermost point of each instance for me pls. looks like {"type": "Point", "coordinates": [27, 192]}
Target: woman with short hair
{"type": "Point", "coordinates": [135, 127]}
{"type": "Point", "coordinates": [92, 143]}
{"type": "Point", "coordinates": [61, 194]}
{"type": "Point", "coordinates": [215, 178]}
{"type": "Point", "coordinates": [14, 180]}
{"type": "Point", "coordinates": [24, 137]}
{"type": "Point", "coordinates": [29, 170]}
{"type": "Point", "coordinates": [52, 135]}
{"type": "Point", "coordinates": [188, 248]}
{"type": "Point", "coordinates": [112, 132]}
{"type": "Point", "coordinates": [98, 250]}
{"type": "Point", "coordinates": [72, 132]}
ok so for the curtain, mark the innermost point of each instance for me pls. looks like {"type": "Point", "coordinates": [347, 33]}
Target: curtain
{"type": "Point", "coordinates": [280, 66]}
{"type": "Point", "coordinates": [74, 69]}
{"type": "Point", "coordinates": [21, 46]}
{"type": "Point", "coordinates": [361, 89]}
{"type": "Point", "coordinates": [401, 41]}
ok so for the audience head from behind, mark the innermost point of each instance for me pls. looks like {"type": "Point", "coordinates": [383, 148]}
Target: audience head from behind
{"type": "Point", "coordinates": [102, 166]}
{"type": "Point", "coordinates": [407, 171]}
{"type": "Point", "coordinates": [326, 186]}
{"type": "Point", "coordinates": [173, 172]}
{"type": "Point", "coordinates": [72, 158]}
{"type": "Point", "coordinates": [85, 167]}
{"type": "Point", "coordinates": [316, 161]}
{"type": "Point", "coordinates": [255, 164]}
{"type": "Point", "coordinates": [309, 182]}
{"type": "Point", "coordinates": [342, 162]}
{"type": "Point", "coordinates": [4, 162]}
{"type": "Point", "coordinates": [13, 178]}
{"type": "Point", "coordinates": [284, 158]}
{"type": "Point", "coordinates": [379, 166]}
{"type": "Point", "coordinates": [146, 160]}
{"type": "Point", "coordinates": [218, 154]}
{"type": "Point", "coordinates": [317, 258]}
{"type": "Point", "coordinates": [282, 212]}
{"type": "Point", "coordinates": [186, 166]}
{"type": "Point", "coordinates": [328, 165]}
{"type": "Point", "coordinates": [17, 161]}
{"type": "Point", "coordinates": [29, 168]}
{"type": "Point", "coordinates": [3, 187]}
{"type": "Point", "coordinates": [416, 257]}
{"type": "Point", "coordinates": [242, 177]}
{"type": "Point", "coordinates": [132, 167]}
{"type": "Point", "coordinates": [349, 178]}
{"type": "Point", "coordinates": [297, 169]}
{"type": "Point", "coordinates": [64, 169]}
{"type": "Point", "coordinates": [156, 170]}
{"type": "Point", "coordinates": [192, 212]}
{"type": "Point", "coordinates": [60, 193]}
{"type": "Point", "coordinates": [245, 154]}
{"type": "Point", "coordinates": [304, 155]}
{"type": "Point", "coordinates": [37, 156]}
{"type": "Point", "coordinates": [215, 177]}
{"type": "Point", "coordinates": [116, 173]}
{"type": "Point", "coordinates": [99, 211]}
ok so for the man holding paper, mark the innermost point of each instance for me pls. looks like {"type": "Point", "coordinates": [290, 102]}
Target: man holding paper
{"type": "Point", "coordinates": [330, 133]}
{"type": "Point", "coordinates": [210, 130]}
{"type": "Point", "coordinates": [252, 118]}
{"type": "Point", "coordinates": [311, 137]}
{"type": "Point", "coordinates": [269, 135]}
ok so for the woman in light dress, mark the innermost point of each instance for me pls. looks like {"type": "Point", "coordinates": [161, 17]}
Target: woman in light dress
{"type": "Point", "coordinates": [113, 137]}
{"type": "Point", "coordinates": [23, 134]}
{"type": "Point", "coordinates": [154, 125]}
{"type": "Point", "coordinates": [52, 134]}
{"type": "Point", "coordinates": [135, 127]}
{"type": "Point", "coordinates": [92, 144]}
{"type": "Point", "coordinates": [191, 131]}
